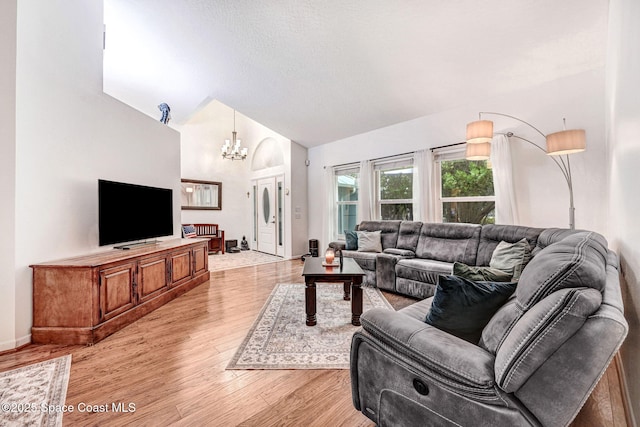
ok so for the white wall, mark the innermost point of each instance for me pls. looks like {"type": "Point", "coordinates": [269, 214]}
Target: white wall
{"type": "Point", "coordinates": [542, 192]}
{"type": "Point", "coordinates": [68, 135]}
{"type": "Point", "coordinates": [299, 200]}
{"type": "Point", "coordinates": [202, 136]}
{"type": "Point", "coordinates": [623, 114]}
{"type": "Point", "coordinates": [8, 21]}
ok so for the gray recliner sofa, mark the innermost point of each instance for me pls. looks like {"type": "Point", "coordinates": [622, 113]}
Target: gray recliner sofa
{"type": "Point", "coordinates": [538, 359]}
{"type": "Point", "coordinates": [414, 254]}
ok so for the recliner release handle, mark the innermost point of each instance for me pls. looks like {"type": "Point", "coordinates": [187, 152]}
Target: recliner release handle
{"type": "Point", "coordinates": [420, 387]}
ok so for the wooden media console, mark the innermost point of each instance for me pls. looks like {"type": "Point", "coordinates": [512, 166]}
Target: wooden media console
{"type": "Point", "coordinates": [82, 300]}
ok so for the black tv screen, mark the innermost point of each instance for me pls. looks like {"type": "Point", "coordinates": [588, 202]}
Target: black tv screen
{"type": "Point", "coordinates": [129, 212]}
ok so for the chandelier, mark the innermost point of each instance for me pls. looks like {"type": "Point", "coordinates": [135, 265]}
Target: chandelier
{"type": "Point", "coordinates": [231, 148]}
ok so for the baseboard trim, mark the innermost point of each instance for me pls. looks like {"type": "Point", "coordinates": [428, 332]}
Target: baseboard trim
{"type": "Point", "coordinates": [15, 348]}
{"type": "Point", "coordinates": [624, 390]}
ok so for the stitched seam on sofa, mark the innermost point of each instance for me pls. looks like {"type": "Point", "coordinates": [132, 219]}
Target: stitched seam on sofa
{"type": "Point", "coordinates": [534, 344]}
{"type": "Point", "coordinates": [429, 362]}
{"type": "Point", "coordinates": [558, 317]}
{"type": "Point", "coordinates": [511, 357]}
{"type": "Point", "coordinates": [518, 315]}
{"type": "Point", "coordinates": [549, 285]}
{"type": "Point", "coordinates": [554, 279]}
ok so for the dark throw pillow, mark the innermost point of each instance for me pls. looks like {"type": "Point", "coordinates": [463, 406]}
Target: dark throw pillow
{"type": "Point", "coordinates": [488, 274]}
{"type": "Point", "coordinates": [351, 238]}
{"type": "Point", "coordinates": [463, 307]}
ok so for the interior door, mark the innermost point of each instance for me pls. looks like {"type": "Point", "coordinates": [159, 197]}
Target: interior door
{"type": "Point", "coordinates": [266, 216]}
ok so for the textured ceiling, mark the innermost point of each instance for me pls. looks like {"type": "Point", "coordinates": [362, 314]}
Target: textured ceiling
{"type": "Point", "coordinates": [320, 70]}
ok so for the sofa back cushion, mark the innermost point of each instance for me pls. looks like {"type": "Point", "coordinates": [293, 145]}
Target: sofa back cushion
{"type": "Point", "coordinates": [408, 235]}
{"type": "Point", "coordinates": [389, 231]}
{"type": "Point", "coordinates": [449, 242]}
{"type": "Point", "coordinates": [550, 236]}
{"type": "Point", "coordinates": [578, 261]}
{"type": "Point", "coordinates": [491, 235]}
{"type": "Point", "coordinates": [540, 332]}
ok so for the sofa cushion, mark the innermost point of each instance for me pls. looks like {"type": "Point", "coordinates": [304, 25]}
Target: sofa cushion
{"type": "Point", "coordinates": [389, 231]}
{"type": "Point", "coordinates": [351, 240]}
{"type": "Point", "coordinates": [408, 235]}
{"type": "Point", "coordinates": [369, 241]}
{"type": "Point", "coordinates": [404, 253]}
{"type": "Point", "coordinates": [449, 242]}
{"type": "Point", "coordinates": [576, 261]}
{"type": "Point", "coordinates": [480, 273]}
{"type": "Point", "coordinates": [511, 257]}
{"type": "Point", "coordinates": [422, 270]}
{"type": "Point", "coordinates": [492, 234]}
{"type": "Point", "coordinates": [463, 307]}
{"type": "Point", "coordinates": [540, 332]}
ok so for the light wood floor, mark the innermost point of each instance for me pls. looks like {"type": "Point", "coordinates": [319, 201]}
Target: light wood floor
{"type": "Point", "coordinates": [171, 366]}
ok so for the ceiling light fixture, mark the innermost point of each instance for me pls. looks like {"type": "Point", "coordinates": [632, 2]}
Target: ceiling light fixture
{"type": "Point", "coordinates": [231, 148]}
{"type": "Point", "coordinates": [563, 143]}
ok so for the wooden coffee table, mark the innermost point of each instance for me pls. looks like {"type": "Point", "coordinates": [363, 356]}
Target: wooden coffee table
{"type": "Point", "coordinates": [350, 274]}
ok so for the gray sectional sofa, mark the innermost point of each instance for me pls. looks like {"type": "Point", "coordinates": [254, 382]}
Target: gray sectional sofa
{"type": "Point", "coordinates": [539, 355]}
{"type": "Point", "coordinates": [414, 254]}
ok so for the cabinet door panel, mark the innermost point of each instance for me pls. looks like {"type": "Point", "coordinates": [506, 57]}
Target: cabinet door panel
{"type": "Point", "coordinates": [200, 259]}
{"type": "Point", "coordinates": [180, 267]}
{"type": "Point", "coordinates": [117, 290]}
{"type": "Point", "coordinates": [152, 277]}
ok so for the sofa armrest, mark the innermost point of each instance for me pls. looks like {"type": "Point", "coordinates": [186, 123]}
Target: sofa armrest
{"type": "Point", "coordinates": [386, 271]}
{"type": "Point", "coordinates": [447, 356]}
{"type": "Point", "coordinates": [402, 253]}
{"type": "Point", "coordinates": [338, 246]}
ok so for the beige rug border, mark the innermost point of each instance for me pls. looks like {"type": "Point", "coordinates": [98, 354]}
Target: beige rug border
{"type": "Point", "coordinates": [256, 322]}
{"type": "Point", "coordinates": [57, 388]}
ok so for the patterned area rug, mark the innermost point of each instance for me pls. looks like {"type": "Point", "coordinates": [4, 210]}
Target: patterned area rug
{"type": "Point", "coordinates": [228, 261]}
{"type": "Point", "coordinates": [33, 395]}
{"type": "Point", "coordinates": [280, 338]}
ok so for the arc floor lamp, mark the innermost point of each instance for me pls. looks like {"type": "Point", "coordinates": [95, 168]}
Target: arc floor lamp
{"type": "Point", "coordinates": [558, 145]}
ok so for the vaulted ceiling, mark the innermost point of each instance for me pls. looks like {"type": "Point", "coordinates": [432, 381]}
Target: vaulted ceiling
{"type": "Point", "coordinates": [320, 70]}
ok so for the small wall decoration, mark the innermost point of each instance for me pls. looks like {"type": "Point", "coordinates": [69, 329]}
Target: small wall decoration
{"type": "Point", "coordinates": [166, 116]}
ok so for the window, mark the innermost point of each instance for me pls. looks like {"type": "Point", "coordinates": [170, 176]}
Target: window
{"type": "Point", "coordinates": [466, 189]}
{"type": "Point", "coordinates": [346, 199]}
{"type": "Point", "coordinates": [394, 189]}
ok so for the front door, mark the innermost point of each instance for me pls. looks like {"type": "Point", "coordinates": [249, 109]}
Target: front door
{"type": "Point", "coordinates": [266, 216]}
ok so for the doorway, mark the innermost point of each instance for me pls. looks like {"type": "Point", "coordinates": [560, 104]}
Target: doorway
{"type": "Point", "coordinates": [266, 216]}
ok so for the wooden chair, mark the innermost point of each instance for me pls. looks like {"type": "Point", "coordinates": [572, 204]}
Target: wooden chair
{"type": "Point", "coordinates": [210, 231]}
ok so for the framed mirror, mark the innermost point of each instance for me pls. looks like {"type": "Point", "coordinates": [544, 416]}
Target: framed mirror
{"type": "Point", "coordinates": [205, 195]}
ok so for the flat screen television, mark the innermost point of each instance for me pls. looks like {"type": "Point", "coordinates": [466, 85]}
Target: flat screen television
{"type": "Point", "coordinates": [129, 212]}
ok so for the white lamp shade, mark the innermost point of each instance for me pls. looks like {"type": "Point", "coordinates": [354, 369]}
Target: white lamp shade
{"type": "Point", "coordinates": [480, 131]}
{"type": "Point", "coordinates": [478, 151]}
{"type": "Point", "coordinates": [566, 142]}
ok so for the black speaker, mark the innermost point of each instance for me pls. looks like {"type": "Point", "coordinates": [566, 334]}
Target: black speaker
{"type": "Point", "coordinates": [313, 247]}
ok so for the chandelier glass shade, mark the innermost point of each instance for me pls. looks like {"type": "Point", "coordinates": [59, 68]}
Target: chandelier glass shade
{"type": "Point", "coordinates": [231, 149]}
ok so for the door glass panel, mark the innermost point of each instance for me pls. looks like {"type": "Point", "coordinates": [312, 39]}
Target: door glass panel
{"type": "Point", "coordinates": [280, 214]}
{"type": "Point", "coordinates": [266, 209]}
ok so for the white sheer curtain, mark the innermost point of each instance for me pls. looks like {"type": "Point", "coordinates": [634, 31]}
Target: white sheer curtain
{"type": "Point", "coordinates": [506, 206]}
{"type": "Point", "coordinates": [365, 192]}
{"type": "Point", "coordinates": [329, 217]}
{"type": "Point", "coordinates": [423, 191]}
